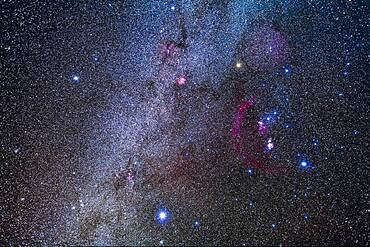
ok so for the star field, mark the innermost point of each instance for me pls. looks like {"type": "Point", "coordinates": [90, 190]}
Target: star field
{"type": "Point", "coordinates": [184, 122]}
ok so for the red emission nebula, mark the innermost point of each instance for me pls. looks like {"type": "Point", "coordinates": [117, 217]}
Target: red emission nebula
{"type": "Point", "coordinates": [249, 141]}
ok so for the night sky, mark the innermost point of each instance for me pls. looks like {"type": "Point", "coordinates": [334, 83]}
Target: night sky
{"type": "Point", "coordinates": [189, 122]}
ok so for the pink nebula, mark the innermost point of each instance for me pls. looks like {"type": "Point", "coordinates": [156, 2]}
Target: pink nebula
{"type": "Point", "coordinates": [181, 81]}
{"type": "Point", "coordinates": [252, 154]}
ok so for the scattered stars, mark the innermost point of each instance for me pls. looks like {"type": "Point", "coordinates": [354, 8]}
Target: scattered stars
{"type": "Point", "coordinates": [269, 118]}
{"type": "Point", "coordinates": [262, 128]}
{"type": "Point", "coordinates": [269, 49]}
{"type": "Point", "coordinates": [315, 142]}
{"type": "Point", "coordinates": [224, 106]}
{"type": "Point", "coordinates": [168, 50]}
{"type": "Point", "coordinates": [270, 145]}
{"type": "Point", "coordinates": [95, 58]}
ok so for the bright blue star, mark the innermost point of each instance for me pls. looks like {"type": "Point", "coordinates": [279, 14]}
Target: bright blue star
{"type": "Point", "coordinates": [303, 164]}
{"type": "Point", "coordinates": [95, 57]}
{"type": "Point", "coordinates": [196, 223]}
{"type": "Point", "coordinates": [274, 225]}
{"type": "Point", "coordinates": [287, 70]}
{"type": "Point", "coordinates": [269, 49]}
{"type": "Point", "coordinates": [270, 118]}
{"type": "Point", "coordinates": [162, 216]}
{"type": "Point", "coordinates": [76, 78]}
{"type": "Point", "coordinates": [250, 172]}
{"type": "Point", "coordinates": [306, 216]}
{"type": "Point", "coordinates": [315, 142]}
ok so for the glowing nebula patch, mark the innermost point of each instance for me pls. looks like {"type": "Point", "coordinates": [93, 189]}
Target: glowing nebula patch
{"type": "Point", "coordinates": [181, 81]}
{"type": "Point", "coordinates": [264, 48]}
{"type": "Point", "coordinates": [248, 151]}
